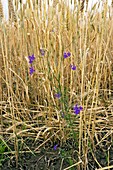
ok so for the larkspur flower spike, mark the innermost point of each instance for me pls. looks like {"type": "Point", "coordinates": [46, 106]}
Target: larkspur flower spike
{"type": "Point", "coordinates": [77, 109]}
{"type": "Point", "coordinates": [73, 67]}
{"type": "Point", "coordinates": [57, 95]}
{"type": "Point", "coordinates": [55, 147]}
{"type": "Point", "coordinates": [31, 59]}
{"type": "Point", "coordinates": [31, 70]}
{"type": "Point", "coordinates": [66, 55]}
{"type": "Point", "coordinates": [42, 51]}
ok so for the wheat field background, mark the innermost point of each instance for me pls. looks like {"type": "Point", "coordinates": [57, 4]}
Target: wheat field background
{"type": "Point", "coordinates": [37, 105]}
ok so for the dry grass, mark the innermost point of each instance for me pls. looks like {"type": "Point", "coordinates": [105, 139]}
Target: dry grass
{"type": "Point", "coordinates": [27, 104]}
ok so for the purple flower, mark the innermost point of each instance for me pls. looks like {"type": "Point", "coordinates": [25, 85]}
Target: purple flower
{"type": "Point", "coordinates": [58, 95]}
{"type": "Point", "coordinates": [42, 51]}
{"type": "Point", "coordinates": [31, 59]}
{"type": "Point", "coordinates": [66, 55]}
{"type": "Point", "coordinates": [73, 67]}
{"type": "Point", "coordinates": [55, 147]}
{"type": "Point", "coordinates": [77, 109]}
{"type": "Point", "coordinates": [31, 70]}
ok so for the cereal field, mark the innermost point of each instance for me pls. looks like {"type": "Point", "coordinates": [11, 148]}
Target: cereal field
{"type": "Point", "coordinates": [56, 85]}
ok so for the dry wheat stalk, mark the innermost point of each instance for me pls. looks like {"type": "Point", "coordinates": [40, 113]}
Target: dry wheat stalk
{"type": "Point", "coordinates": [82, 5]}
{"type": "Point", "coordinates": [12, 14]}
{"type": "Point", "coordinates": [55, 2]}
{"type": "Point", "coordinates": [1, 10]}
{"type": "Point", "coordinates": [112, 3]}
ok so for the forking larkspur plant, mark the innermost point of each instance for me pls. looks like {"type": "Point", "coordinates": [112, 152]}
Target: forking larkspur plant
{"type": "Point", "coordinates": [60, 95]}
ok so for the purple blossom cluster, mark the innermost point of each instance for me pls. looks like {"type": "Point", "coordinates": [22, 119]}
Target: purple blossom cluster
{"type": "Point", "coordinates": [73, 67]}
{"type": "Point", "coordinates": [31, 59]}
{"type": "Point", "coordinates": [42, 51]}
{"type": "Point", "coordinates": [31, 68]}
{"type": "Point", "coordinates": [77, 109]}
{"type": "Point", "coordinates": [57, 95]}
{"type": "Point", "coordinates": [66, 55]}
{"type": "Point", "coordinates": [55, 147]}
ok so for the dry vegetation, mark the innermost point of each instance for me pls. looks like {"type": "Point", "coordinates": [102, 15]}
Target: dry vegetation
{"type": "Point", "coordinates": [28, 107]}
